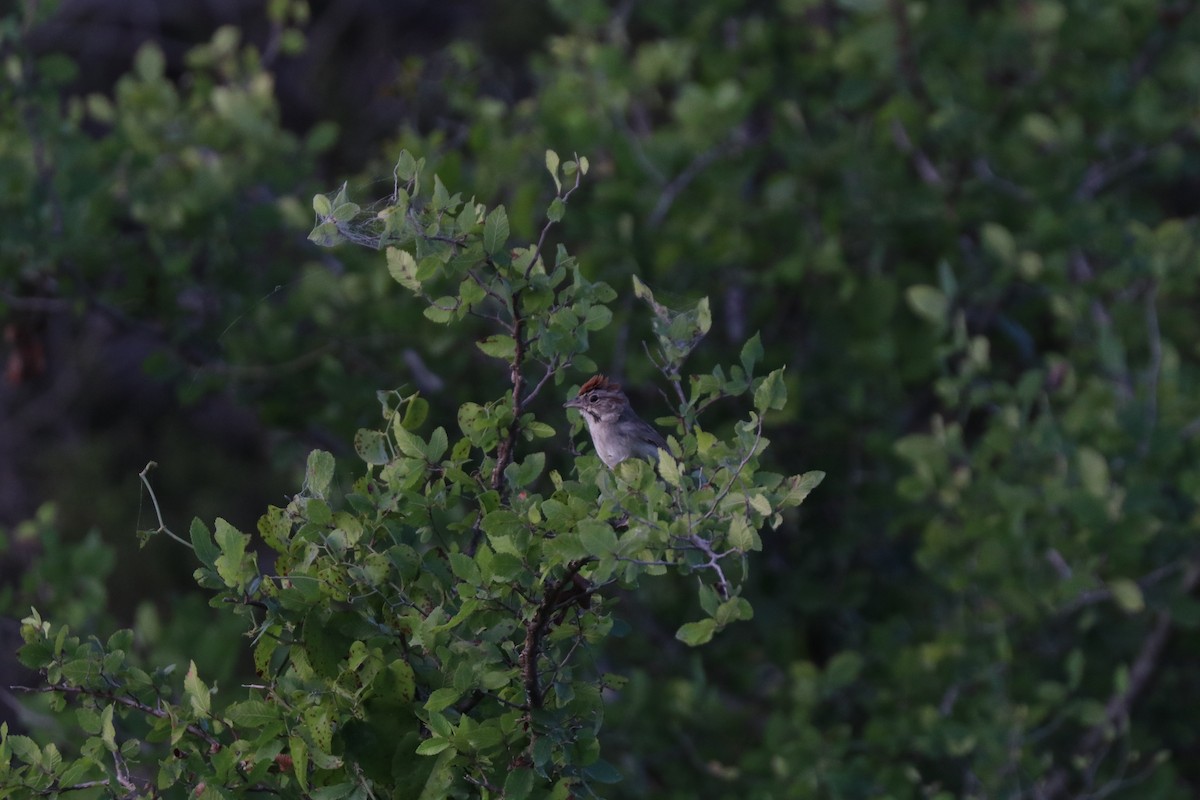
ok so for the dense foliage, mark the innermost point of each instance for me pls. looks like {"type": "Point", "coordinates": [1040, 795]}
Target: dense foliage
{"type": "Point", "coordinates": [967, 229]}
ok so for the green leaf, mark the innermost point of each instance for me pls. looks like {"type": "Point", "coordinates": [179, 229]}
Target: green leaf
{"type": "Point", "coordinates": [371, 446]}
{"type": "Point", "coordinates": [552, 167]}
{"type": "Point", "coordinates": [319, 473]}
{"type": "Point", "coordinates": [642, 291]}
{"type": "Point", "coordinates": [709, 599]}
{"type": "Point", "coordinates": [668, 468]}
{"type": "Point", "coordinates": [202, 542]}
{"type": "Point", "coordinates": [229, 564]}
{"type": "Point", "coordinates": [441, 196]}
{"type": "Point", "coordinates": [321, 205]}
{"type": "Point", "coordinates": [108, 732]}
{"type": "Point", "coordinates": [495, 231]}
{"type": "Point", "coordinates": [397, 682]}
{"type": "Point", "coordinates": [442, 310]}
{"type": "Point", "coordinates": [332, 792]}
{"type": "Point", "coordinates": [27, 750]}
{"type": "Point", "coordinates": [734, 609]}
{"type": "Point", "coordinates": [499, 346]}
{"type": "Point", "coordinates": [694, 634]}
{"type": "Point", "coordinates": [1127, 594]}
{"type": "Point", "coordinates": [403, 267]}
{"type": "Point", "coordinates": [519, 784]}
{"type": "Point", "coordinates": [771, 392]}
{"type": "Point", "coordinates": [1093, 472]}
{"type": "Point", "coordinates": [196, 692]}
{"type": "Point", "coordinates": [428, 267]}
{"type": "Point", "coordinates": [438, 442]}
{"type": "Point", "coordinates": [441, 699]}
{"type": "Point", "coordinates": [598, 318]}
{"type": "Point", "coordinates": [326, 235]}
{"type": "Point", "coordinates": [465, 568]}
{"type": "Point", "coordinates": [843, 669]}
{"type": "Point", "coordinates": [408, 442]}
{"type": "Point", "coordinates": [528, 470]}
{"type": "Point", "coordinates": [407, 166]}
{"type": "Point", "coordinates": [752, 353]}
{"type": "Point", "coordinates": [598, 538]}
{"type": "Point", "coordinates": [928, 303]}
{"type": "Point", "coordinates": [431, 747]}
{"type": "Point", "coordinates": [603, 772]}
{"type": "Point", "coordinates": [997, 240]}
{"type": "Point", "coordinates": [742, 535]}
{"type": "Point", "coordinates": [703, 316]}
{"type": "Point", "coordinates": [799, 486]}
{"type": "Point", "coordinates": [415, 412]}
{"type": "Point", "coordinates": [299, 752]}
{"type": "Point", "coordinates": [557, 210]}
{"type": "Point", "coordinates": [252, 714]}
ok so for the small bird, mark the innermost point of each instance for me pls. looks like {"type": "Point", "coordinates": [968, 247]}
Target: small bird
{"type": "Point", "coordinates": [617, 432]}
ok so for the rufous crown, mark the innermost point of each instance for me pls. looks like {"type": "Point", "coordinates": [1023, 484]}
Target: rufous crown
{"type": "Point", "coordinates": [599, 382]}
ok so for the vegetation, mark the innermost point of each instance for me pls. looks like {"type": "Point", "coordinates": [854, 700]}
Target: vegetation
{"type": "Point", "coordinates": [969, 233]}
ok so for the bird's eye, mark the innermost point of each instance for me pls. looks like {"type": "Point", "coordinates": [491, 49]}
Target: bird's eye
{"type": "Point", "coordinates": [591, 398]}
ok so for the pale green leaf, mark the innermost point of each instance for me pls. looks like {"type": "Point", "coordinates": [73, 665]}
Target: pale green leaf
{"type": "Point", "coordinates": [696, 633]}
{"type": "Point", "coordinates": [552, 167]}
{"type": "Point", "coordinates": [196, 692]}
{"type": "Point", "coordinates": [499, 346]}
{"type": "Point", "coordinates": [668, 468]}
{"type": "Point", "coordinates": [403, 267]}
{"type": "Point", "coordinates": [1127, 594]}
{"type": "Point", "coordinates": [319, 473]}
{"type": "Point", "coordinates": [928, 302]}
{"type": "Point", "coordinates": [771, 392]}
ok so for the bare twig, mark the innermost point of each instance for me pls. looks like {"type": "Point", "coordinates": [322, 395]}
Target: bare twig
{"type": "Point", "coordinates": [925, 168]}
{"type": "Point", "coordinates": [1098, 176]}
{"type": "Point", "coordinates": [681, 181]}
{"type": "Point", "coordinates": [714, 563]}
{"type": "Point", "coordinates": [551, 368]}
{"type": "Point", "coordinates": [162, 526]}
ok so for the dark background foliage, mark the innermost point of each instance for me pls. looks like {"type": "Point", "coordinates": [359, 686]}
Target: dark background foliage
{"type": "Point", "coordinates": [967, 229]}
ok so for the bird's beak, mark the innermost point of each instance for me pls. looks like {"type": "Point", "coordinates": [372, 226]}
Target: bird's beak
{"type": "Point", "coordinates": [572, 403]}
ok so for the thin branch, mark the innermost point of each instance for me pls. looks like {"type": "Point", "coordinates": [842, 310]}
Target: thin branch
{"type": "Point", "coordinates": [162, 526]}
{"type": "Point", "coordinates": [676, 185]}
{"type": "Point", "coordinates": [267, 371]}
{"type": "Point", "coordinates": [1099, 176]}
{"type": "Point", "coordinates": [551, 369]}
{"type": "Point", "coordinates": [736, 473]}
{"type": "Point", "coordinates": [1120, 705]}
{"type": "Point", "coordinates": [536, 628]}
{"type": "Point", "coordinates": [504, 452]}
{"type": "Point", "coordinates": [128, 702]}
{"type": "Point", "coordinates": [76, 787]}
{"type": "Point", "coordinates": [537, 251]}
{"type": "Point", "coordinates": [925, 168]}
{"type": "Point", "coordinates": [907, 52]}
{"type": "Point", "coordinates": [1093, 596]}
{"type": "Point", "coordinates": [714, 563]}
